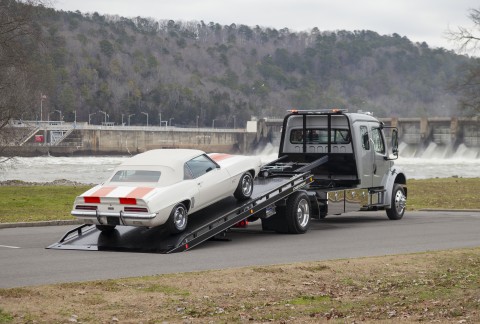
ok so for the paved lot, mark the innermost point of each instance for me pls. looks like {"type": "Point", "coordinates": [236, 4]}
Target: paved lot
{"type": "Point", "coordinates": [25, 261]}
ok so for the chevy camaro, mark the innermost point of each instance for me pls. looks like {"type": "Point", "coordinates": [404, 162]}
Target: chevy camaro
{"type": "Point", "coordinates": [163, 186]}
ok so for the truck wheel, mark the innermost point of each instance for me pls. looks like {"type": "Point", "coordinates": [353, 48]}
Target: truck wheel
{"type": "Point", "coordinates": [105, 228]}
{"type": "Point", "coordinates": [398, 203]}
{"type": "Point", "coordinates": [297, 213]}
{"type": "Point", "coordinates": [177, 222]}
{"type": "Point", "coordinates": [245, 187]}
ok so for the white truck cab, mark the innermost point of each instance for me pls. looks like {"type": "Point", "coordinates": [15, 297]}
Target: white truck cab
{"type": "Point", "coordinates": [350, 158]}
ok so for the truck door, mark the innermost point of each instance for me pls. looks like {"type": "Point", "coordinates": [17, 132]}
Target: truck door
{"type": "Point", "coordinates": [380, 164]}
{"type": "Point", "coordinates": [365, 160]}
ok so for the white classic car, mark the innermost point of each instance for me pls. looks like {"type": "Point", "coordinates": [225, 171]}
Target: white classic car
{"type": "Point", "coordinates": [162, 186]}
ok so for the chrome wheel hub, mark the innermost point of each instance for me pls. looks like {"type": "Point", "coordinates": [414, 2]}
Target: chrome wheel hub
{"type": "Point", "coordinates": [303, 213]}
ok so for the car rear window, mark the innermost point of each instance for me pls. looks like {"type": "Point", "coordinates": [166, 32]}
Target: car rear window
{"type": "Point", "coordinates": [136, 176]}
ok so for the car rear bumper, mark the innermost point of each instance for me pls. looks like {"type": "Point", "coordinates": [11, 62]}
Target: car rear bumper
{"type": "Point", "coordinates": [112, 218]}
{"type": "Point", "coordinates": [92, 213]}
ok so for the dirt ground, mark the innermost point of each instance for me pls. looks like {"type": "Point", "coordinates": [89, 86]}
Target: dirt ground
{"type": "Point", "coordinates": [440, 287]}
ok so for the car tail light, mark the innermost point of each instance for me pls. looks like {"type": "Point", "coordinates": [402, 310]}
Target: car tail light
{"type": "Point", "coordinates": [135, 210]}
{"type": "Point", "coordinates": [128, 201]}
{"type": "Point", "coordinates": [91, 200]}
{"type": "Point", "coordinates": [84, 207]}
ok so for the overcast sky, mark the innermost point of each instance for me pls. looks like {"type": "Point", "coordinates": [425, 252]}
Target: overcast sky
{"type": "Point", "coordinates": [419, 20]}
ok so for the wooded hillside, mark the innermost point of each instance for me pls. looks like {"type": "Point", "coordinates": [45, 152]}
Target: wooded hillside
{"type": "Point", "coordinates": [182, 70]}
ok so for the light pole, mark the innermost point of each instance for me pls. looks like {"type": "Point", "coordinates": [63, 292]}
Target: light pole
{"type": "Point", "coordinates": [129, 118]}
{"type": "Point", "coordinates": [160, 118]}
{"type": "Point", "coordinates": [42, 97]}
{"type": "Point", "coordinates": [105, 115]}
{"type": "Point", "coordinates": [213, 123]}
{"type": "Point", "coordinates": [197, 120]}
{"type": "Point", "coordinates": [146, 114]}
{"type": "Point", "coordinates": [170, 120]}
{"type": "Point", "coordinates": [122, 121]}
{"type": "Point", "coordinates": [89, 117]}
{"type": "Point", "coordinates": [234, 121]}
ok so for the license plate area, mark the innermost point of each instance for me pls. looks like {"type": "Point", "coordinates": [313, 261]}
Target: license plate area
{"type": "Point", "coordinates": [112, 220]}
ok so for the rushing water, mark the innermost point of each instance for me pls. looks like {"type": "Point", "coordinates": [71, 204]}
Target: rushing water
{"type": "Point", "coordinates": [433, 163]}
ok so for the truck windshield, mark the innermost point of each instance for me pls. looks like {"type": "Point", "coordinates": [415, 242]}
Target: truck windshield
{"type": "Point", "coordinates": [320, 136]}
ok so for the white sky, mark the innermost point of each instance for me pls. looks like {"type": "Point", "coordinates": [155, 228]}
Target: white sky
{"type": "Point", "coordinates": [419, 20]}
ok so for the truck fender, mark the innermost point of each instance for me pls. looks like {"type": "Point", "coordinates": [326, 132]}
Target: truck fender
{"type": "Point", "coordinates": [395, 175]}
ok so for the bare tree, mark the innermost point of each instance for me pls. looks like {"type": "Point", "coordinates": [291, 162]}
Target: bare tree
{"type": "Point", "coordinates": [19, 41]}
{"type": "Point", "coordinates": [468, 85]}
{"type": "Point", "coordinates": [468, 38]}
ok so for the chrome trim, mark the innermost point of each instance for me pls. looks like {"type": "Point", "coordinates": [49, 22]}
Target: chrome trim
{"type": "Point", "coordinates": [123, 215]}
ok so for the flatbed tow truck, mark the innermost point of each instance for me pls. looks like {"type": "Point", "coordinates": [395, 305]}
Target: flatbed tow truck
{"type": "Point", "coordinates": [329, 162]}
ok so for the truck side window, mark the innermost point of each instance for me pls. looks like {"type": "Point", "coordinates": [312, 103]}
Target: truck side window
{"type": "Point", "coordinates": [365, 139]}
{"type": "Point", "coordinates": [377, 138]}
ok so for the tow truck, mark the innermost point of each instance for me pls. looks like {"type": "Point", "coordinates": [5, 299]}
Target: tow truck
{"type": "Point", "coordinates": [329, 162]}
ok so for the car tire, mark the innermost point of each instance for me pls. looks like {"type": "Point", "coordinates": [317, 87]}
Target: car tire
{"type": "Point", "coordinates": [398, 203]}
{"type": "Point", "coordinates": [297, 213]}
{"type": "Point", "coordinates": [105, 228]}
{"type": "Point", "coordinates": [245, 187]}
{"type": "Point", "coordinates": [177, 222]}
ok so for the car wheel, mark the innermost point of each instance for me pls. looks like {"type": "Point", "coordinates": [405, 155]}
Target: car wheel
{"type": "Point", "coordinates": [177, 222]}
{"type": "Point", "coordinates": [398, 203]}
{"type": "Point", "coordinates": [245, 187]}
{"type": "Point", "coordinates": [105, 228]}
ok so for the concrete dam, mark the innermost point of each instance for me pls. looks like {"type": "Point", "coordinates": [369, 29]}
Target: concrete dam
{"type": "Point", "coordinates": [441, 136]}
{"type": "Point", "coordinates": [68, 139]}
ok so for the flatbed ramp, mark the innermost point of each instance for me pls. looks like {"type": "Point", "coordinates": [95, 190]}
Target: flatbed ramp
{"type": "Point", "coordinates": [202, 225]}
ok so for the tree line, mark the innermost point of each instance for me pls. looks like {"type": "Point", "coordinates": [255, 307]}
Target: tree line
{"type": "Point", "coordinates": [100, 67]}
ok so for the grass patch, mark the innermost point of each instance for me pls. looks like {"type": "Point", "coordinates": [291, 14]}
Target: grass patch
{"type": "Point", "coordinates": [5, 317]}
{"type": "Point", "coordinates": [446, 193]}
{"type": "Point", "coordinates": [441, 286]}
{"type": "Point", "coordinates": [37, 203]}
{"type": "Point", "coordinates": [309, 300]}
{"type": "Point", "coordinates": [167, 290]}
{"type": "Point", "coordinates": [43, 203]}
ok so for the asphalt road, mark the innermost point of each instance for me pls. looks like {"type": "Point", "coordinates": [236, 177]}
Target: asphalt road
{"type": "Point", "coordinates": [24, 261]}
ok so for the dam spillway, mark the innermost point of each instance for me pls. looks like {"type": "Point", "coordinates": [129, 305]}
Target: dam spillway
{"type": "Point", "coordinates": [436, 136]}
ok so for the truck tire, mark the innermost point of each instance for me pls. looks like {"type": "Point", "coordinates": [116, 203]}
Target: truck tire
{"type": "Point", "coordinates": [177, 222]}
{"type": "Point", "coordinates": [398, 203]}
{"type": "Point", "coordinates": [245, 187]}
{"type": "Point", "coordinates": [297, 213]}
{"type": "Point", "coordinates": [105, 228]}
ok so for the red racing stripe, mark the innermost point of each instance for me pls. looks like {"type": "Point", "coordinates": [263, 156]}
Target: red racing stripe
{"type": "Point", "coordinates": [103, 192]}
{"type": "Point", "coordinates": [139, 192]}
{"type": "Point", "coordinates": [219, 156]}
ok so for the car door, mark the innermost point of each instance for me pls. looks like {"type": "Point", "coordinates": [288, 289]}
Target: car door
{"type": "Point", "coordinates": [210, 179]}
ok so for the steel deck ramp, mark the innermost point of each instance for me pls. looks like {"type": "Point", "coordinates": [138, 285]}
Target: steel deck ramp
{"type": "Point", "coordinates": [202, 225]}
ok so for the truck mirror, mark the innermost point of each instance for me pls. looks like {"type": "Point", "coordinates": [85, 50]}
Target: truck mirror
{"type": "Point", "coordinates": [395, 142]}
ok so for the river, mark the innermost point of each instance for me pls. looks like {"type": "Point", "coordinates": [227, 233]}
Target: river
{"type": "Point", "coordinates": [91, 170]}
